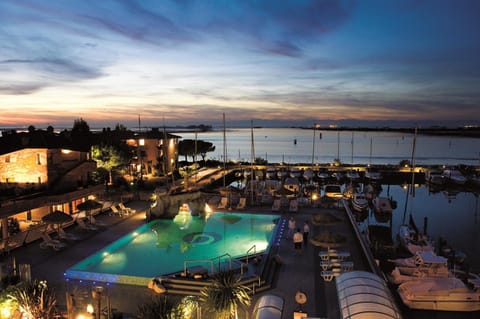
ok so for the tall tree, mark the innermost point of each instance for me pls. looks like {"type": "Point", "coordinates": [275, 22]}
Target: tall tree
{"type": "Point", "coordinates": [109, 157]}
{"type": "Point", "coordinates": [187, 148]}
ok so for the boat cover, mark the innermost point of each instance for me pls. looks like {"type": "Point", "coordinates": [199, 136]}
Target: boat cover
{"type": "Point", "coordinates": [365, 295]}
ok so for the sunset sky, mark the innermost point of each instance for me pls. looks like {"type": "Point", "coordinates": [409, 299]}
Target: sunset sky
{"type": "Point", "coordinates": [276, 62]}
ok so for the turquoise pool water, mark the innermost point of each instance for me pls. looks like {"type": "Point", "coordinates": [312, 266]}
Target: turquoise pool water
{"type": "Point", "coordinates": [160, 247]}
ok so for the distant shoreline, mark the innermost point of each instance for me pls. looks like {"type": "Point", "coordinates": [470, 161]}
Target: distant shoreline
{"type": "Point", "coordinates": [473, 131]}
{"type": "Point", "coordinates": [437, 131]}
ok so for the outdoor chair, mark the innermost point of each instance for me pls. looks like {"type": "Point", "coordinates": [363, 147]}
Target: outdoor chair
{"type": "Point", "coordinates": [116, 211]}
{"type": "Point", "coordinates": [50, 242]}
{"type": "Point", "coordinates": [126, 210]}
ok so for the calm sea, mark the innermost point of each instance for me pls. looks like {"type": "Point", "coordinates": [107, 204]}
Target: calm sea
{"type": "Point", "coordinates": [292, 146]}
{"type": "Point", "coordinates": [452, 214]}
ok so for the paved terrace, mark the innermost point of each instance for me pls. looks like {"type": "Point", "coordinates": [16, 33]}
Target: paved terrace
{"type": "Point", "coordinates": [296, 273]}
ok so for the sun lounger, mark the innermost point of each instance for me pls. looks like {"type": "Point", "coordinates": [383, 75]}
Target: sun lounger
{"type": "Point", "coordinates": [223, 203]}
{"type": "Point", "coordinates": [81, 223]}
{"type": "Point", "coordinates": [333, 253]}
{"type": "Point", "coordinates": [116, 211]}
{"type": "Point", "coordinates": [276, 205]}
{"type": "Point", "coordinates": [50, 242]}
{"type": "Point", "coordinates": [242, 203]}
{"type": "Point", "coordinates": [126, 210]}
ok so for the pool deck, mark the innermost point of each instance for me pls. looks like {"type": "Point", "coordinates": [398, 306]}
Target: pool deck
{"type": "Point", "coordinates": [296, 272]}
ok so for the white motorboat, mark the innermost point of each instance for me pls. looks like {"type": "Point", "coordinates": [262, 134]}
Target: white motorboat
{"type": "Point", "coordinates": [422, 265]}
{"type": "Point", "coordinates": [333, 191]}
{"type": "Point", "coordinates": [454, 176]}
{"type": "Point", "coordinates": [400, 275]}
{"type": "Point", "coordinates": [421, 258]}
{"type": "Point", "coordinates": [441, 294]}
{"type": "Point", "coordinates": [359, 202]}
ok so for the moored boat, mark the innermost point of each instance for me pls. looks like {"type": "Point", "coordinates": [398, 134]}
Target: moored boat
{"type": "Point", "coordinates": [359, 202]}
{"type": "Point", "coordinates": [441, 294]}
{"type": "Point", "coordinates": [454, 176]}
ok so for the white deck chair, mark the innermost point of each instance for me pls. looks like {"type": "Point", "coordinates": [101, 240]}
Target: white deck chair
{"type": "Point", "coordinates": [223, 203]}
{"type": "Point", "coordinates": [81, 223]}
{"type": "Point", "coordinates": [242, 203]}
{"type": "Point", "coordinates": [293, 206]}
{"type": "Point", "coordinates": [116, 211]}
{"type": "Point", "coordinates": [50, 242]}
{"type": "Point", "coordinates": [276, 205]}
{"type": "Point", "coordinates": [126, 210]}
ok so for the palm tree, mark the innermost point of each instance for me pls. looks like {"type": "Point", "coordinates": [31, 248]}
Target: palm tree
{"type": "Point", "coordinates": [225, 294]}
{"type": "Point", "coordinates": [35, 300]}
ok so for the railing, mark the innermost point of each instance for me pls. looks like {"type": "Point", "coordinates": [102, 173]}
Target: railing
{"type": "Point", "coordinates": [254, 248]}
{"type": "Point", "coordinates": [231, 260]}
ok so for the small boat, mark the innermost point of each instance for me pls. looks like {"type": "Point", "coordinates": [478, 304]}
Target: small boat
{"type": "Point", "coordinates": [359, 202]}
{"type": "Point", "coordinates": [413, 241]}
{"type": "Point", "coordinates": [441, 294]}
{"type": "Point", "coordinates": [333, 191]}
{"type": "Point", "coordinates": [422, 265]}
{"type": "Point", "coordinates": [352, 175]}
{"type": "Point", "coordinates": [295, 172]}
{"type": "Point", "coordinates": [421, 258]}
{"type": "Point", "coordinates": [373, 176]}
{"type": "Point", "coordinates": [454, 176]}
{"type": "Point", "coordinates": [323, 176]}
{"type": "Point", "coordinates": [271, 173]}
{"type": "Point", "coordinates": [435, 178]}
{"type": "Point", "coordinates": [308, 174]}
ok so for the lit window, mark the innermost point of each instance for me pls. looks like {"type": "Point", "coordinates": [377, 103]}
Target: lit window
{"type": "Point", "coordinates": [66, 151]}
{"type": "Point", "coordinates": [141, 142]}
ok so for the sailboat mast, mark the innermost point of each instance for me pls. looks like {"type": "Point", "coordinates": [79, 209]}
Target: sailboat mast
{"type": "Point", "coordinates": [413, 160]}
{"type": "Point", "coordinates": [313, 147]}
{"type": "Point", "coordinates": [224, 150]}
{"type": "Point", "coordinates": [252, 160]}
{"type": "Point", "coordinates": [352, 147]}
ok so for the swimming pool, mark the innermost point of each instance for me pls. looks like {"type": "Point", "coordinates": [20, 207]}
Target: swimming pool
{"type": "Point", "coordinates": [160, 247]}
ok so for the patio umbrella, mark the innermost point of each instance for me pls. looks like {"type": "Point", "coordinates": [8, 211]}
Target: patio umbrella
{"type": "Point", "coordinates": [88, 206]}
{"type": "Point", "coordinates": [57, 218]}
